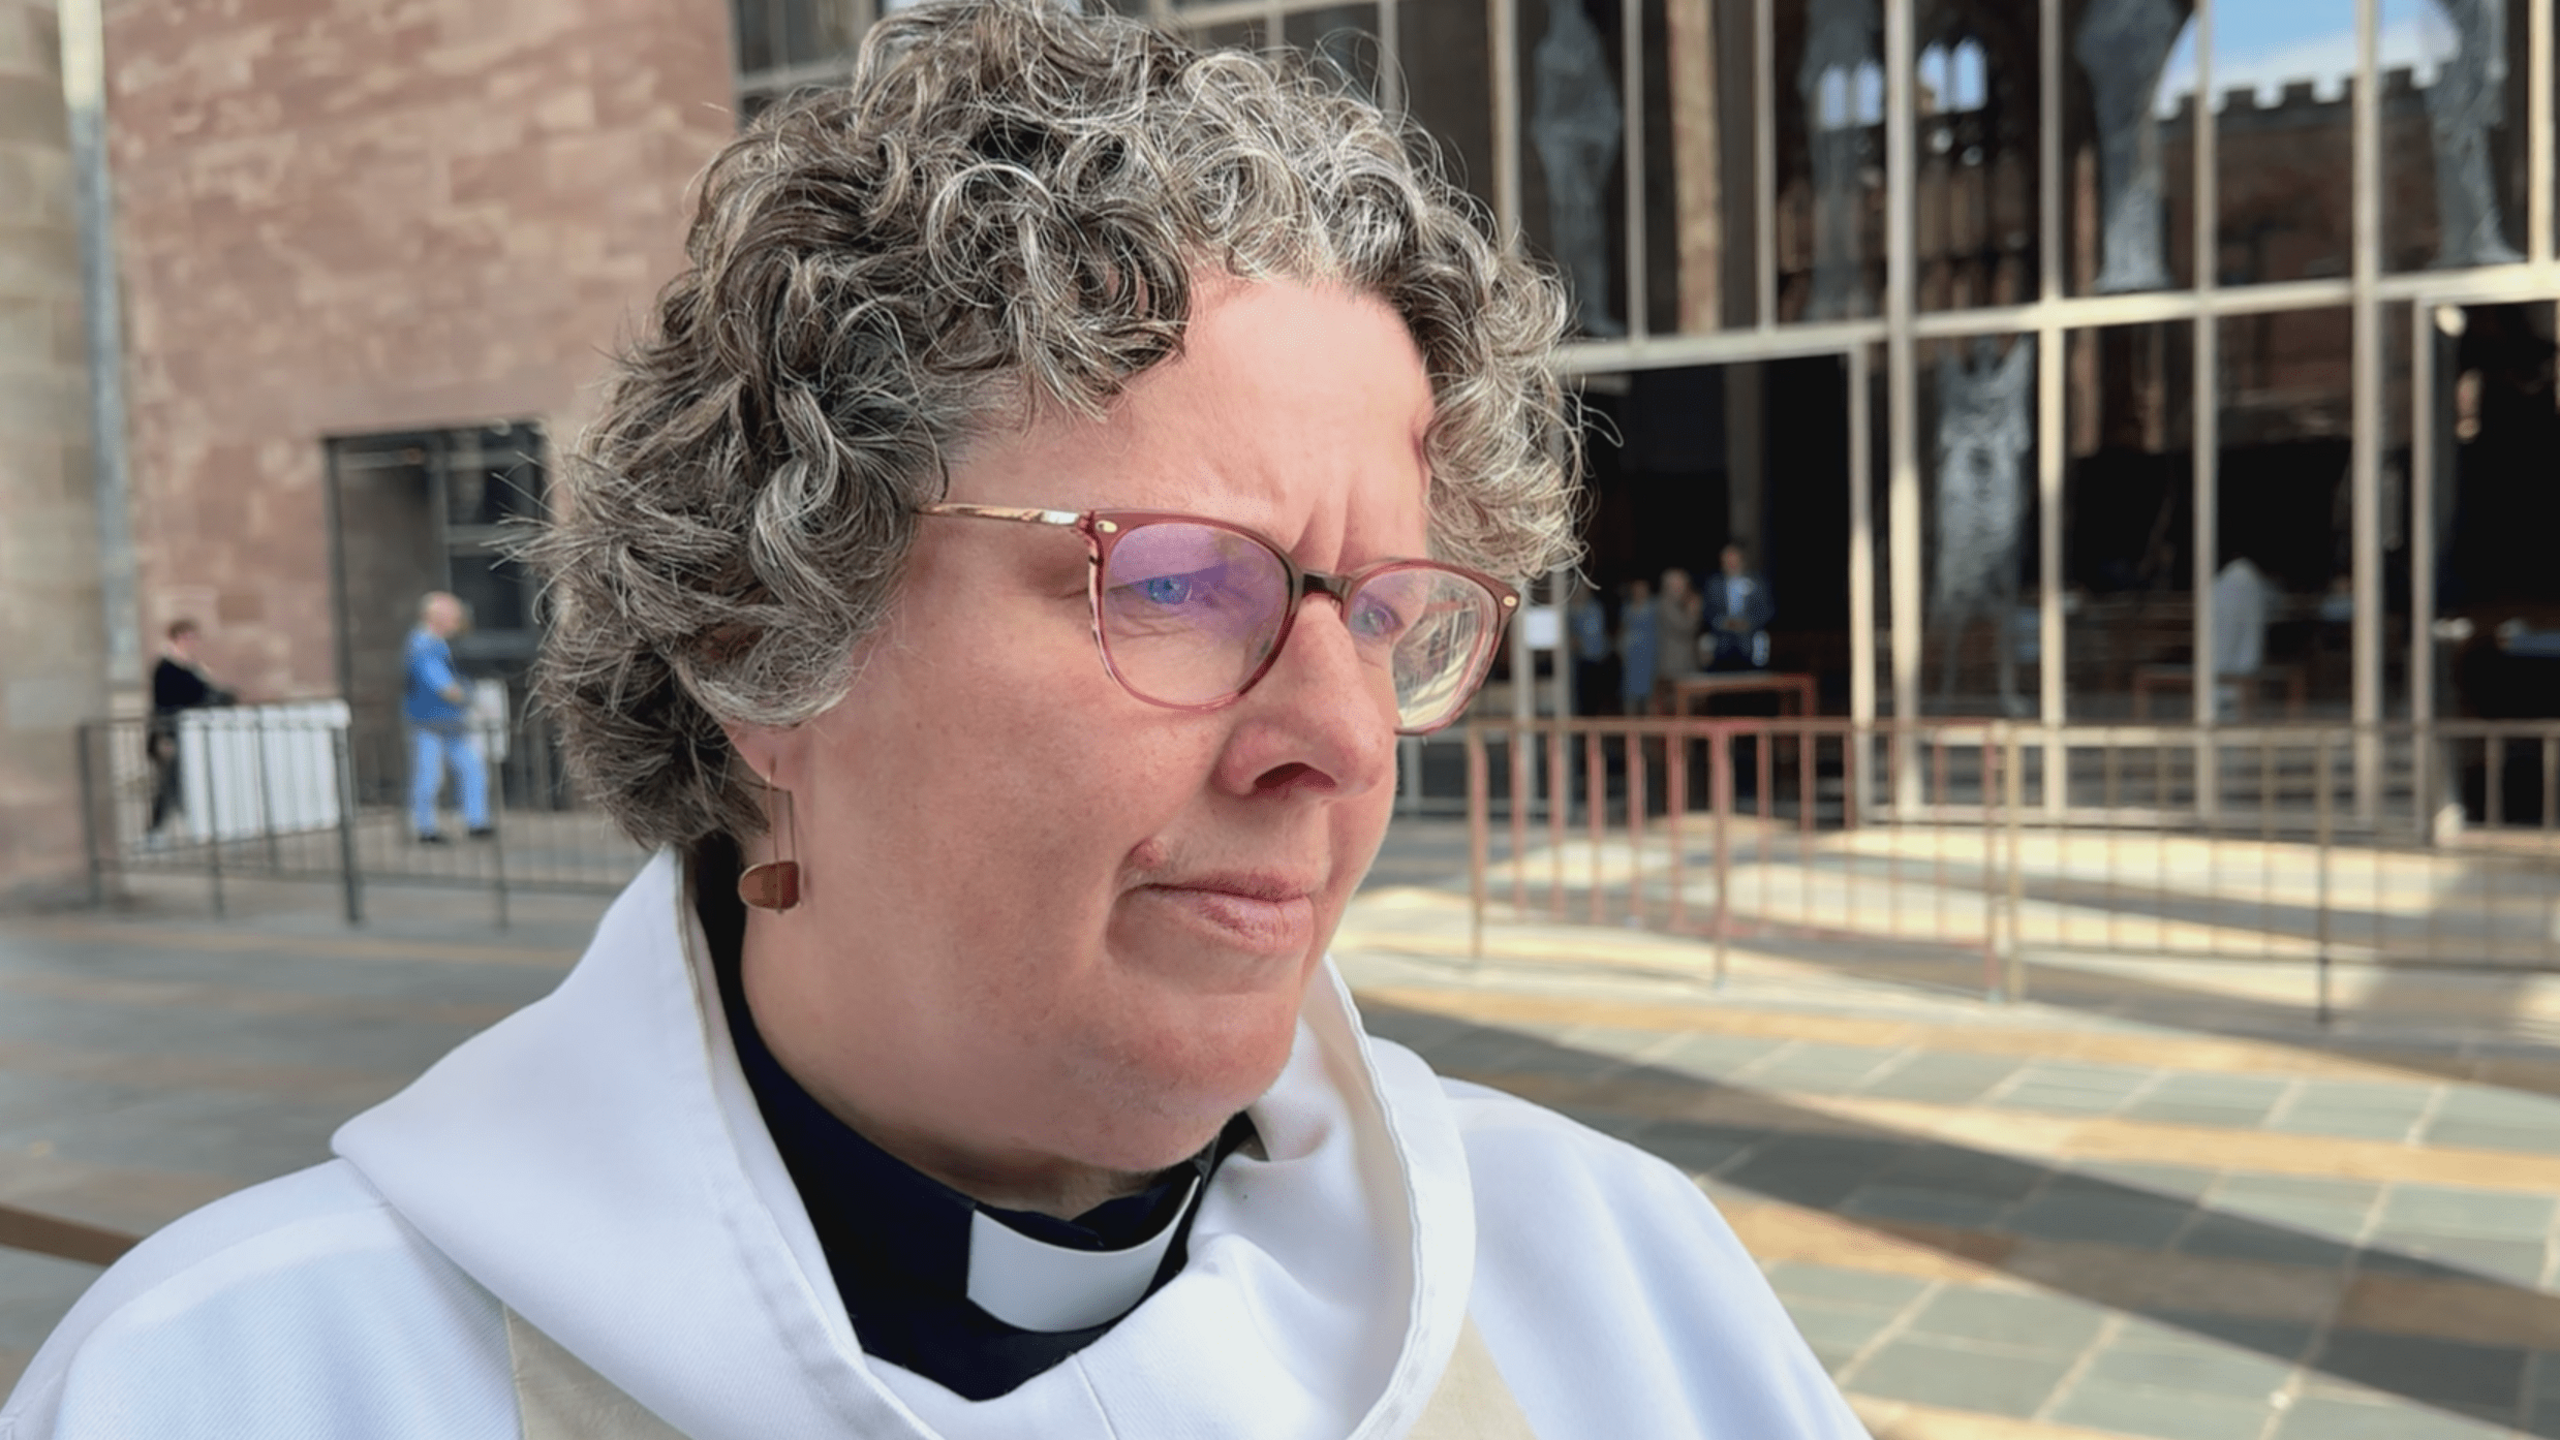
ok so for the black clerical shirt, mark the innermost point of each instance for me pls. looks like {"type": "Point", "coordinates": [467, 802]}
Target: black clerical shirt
{"type": "Point", "coordinates": [897, 1240]}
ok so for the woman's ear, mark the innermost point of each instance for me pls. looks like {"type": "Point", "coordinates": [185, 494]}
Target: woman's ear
{"type": "Point", "coordinates": [772, 752]}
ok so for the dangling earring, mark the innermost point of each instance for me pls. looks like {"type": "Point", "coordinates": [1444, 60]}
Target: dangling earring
{"type": "Point", "coordinates": [775, 884]}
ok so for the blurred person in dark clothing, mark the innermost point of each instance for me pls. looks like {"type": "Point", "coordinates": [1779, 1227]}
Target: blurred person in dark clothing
{"type": "Point", "coordinates": [1739, 608]}
{"type": "Point", "coordinates": [178, 683]}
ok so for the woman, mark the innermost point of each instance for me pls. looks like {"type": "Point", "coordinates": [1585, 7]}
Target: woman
{"type": "Point", "coordinates": [997, 589]}
{"type": "Point", "coordinates": [1639, 647]}
{"type": "Point", "coordinates": [1682, 608]}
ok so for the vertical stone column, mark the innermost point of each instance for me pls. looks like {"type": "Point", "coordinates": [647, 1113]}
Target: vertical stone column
{"type": "Point", "coordinates": [1697, 172]}
{"type": "Point", "coordinates": [52, 649]}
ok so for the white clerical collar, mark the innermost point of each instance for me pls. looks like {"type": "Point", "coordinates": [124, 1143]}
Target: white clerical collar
{"type": "Point", "coordinates": [1031, 1284]}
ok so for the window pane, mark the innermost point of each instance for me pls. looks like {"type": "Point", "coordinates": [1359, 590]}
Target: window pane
{"type": "Point", "coordinates": [1448, 85]}
{"type": "Point", "coordinates": [1343, 39]}
{"type": "Point", "coordinates": [2454, 141]}
{"type": "Point", "coordinates": [1975, 195]}
{"type": "Point", "coordinates": [1978, 508]}
{"type": "Point", "coordinates": [1572, 195]}
{"type": "Point", "coordinates": [2128, 478]}
{"type": "Point", "coordinates": [493, 475]}
{"type": "Point", "coordinates": [2283, 503]}
{"type": "Point", "coordinates": [1829, 112]}
{"type": "Point", "coordinates": [2129, 167]}
{"type": "Point", "coordinates": [498, 592]}
{"type": "Point", "coordinates": [757, 49]}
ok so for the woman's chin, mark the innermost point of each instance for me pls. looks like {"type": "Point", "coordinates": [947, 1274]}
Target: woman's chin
{"type": "Point", "coordinates": [1170, 1089]}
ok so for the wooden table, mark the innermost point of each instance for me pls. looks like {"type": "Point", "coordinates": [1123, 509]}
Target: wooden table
{"type": "Point", "coordinates": [2296, 680]}
{"type": "Point", "coordinates": [1787, 685]}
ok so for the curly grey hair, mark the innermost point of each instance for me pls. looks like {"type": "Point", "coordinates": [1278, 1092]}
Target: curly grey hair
{"type": "Point", "coordinates": [1006, 209]}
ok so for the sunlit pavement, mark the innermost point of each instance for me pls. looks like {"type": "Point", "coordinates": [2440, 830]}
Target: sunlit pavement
{"type": "Point", "coordinates": [2156, 1200]}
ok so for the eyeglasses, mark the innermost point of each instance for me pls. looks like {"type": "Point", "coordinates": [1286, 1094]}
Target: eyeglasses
{"type": "Point", "coordinates": [1190, 613]}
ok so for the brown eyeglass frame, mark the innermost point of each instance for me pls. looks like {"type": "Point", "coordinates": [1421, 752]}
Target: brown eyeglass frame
{"type": "Point", "coordinates": [1103, 529]}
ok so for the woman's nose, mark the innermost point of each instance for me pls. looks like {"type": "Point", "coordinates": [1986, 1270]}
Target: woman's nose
{"type": "Point", "coordinates": [1322, 718]}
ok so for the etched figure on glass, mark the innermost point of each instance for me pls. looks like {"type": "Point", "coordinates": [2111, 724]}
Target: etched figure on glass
{"type": "Point", "coordinates": [1841, 83]}
{"type": "Point", "coordinates": [2468, 98]}
{"type": "Point", "coordinates": [1983, 433]}
{"type": "Point", "coordinates": [1574, 121]}
{"type": "Point", "coordinates": [2125, 45]}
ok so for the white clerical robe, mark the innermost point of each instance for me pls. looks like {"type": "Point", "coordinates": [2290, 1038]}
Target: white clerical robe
{"type": "Point", "coordinates": [587, 1189]}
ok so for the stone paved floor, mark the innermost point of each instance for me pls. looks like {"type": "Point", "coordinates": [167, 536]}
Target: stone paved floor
{"type": "Point", "coordinates": [2157, 1201]}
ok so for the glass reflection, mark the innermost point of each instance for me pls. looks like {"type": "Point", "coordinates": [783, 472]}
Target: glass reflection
{"type": "Point", "coordinates": [2123, 46]}
{"type": "Point", "coordinates": [1574, 117]}
{"type": "Point", "coordinates": [2128, 479]}
{"type": "Point", "coordinates": [1840, 88]}
{"type": "Point", "coordinates": [1985, 430]}
{"type": "Point", "coordinates": [1974, 183]}
{"type": "Point", "coordinates": [2465, 104]}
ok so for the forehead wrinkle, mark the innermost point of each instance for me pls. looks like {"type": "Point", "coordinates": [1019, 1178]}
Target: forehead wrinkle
{"type": "Point", "coordinates": [1271, 405]}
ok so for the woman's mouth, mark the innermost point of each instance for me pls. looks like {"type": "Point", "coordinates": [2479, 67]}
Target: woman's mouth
{"type": "Point", "coordinates": [1247, 912]}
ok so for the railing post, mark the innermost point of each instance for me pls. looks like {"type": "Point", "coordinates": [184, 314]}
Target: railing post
{"type": "Point", "coordinates": [1994, 986]}
{"type": "Point", "coordinates": [1559, 813]}
{"type": "Point", "coordinates": [1517, 744]}
{"type": "Point", "coordinates": [1853, 777]}
{"type": "Point", "coordinates": [84, 738]}
{"type": "Point", "coordinates": [212, 824]}
{"type": "Point", "coordinates": [1479, 838]}
{"type": "Point", "coordinates": [2493, 788]}
{"type": "Point", "coordinates": [266, 801]}
{"type": "Point", "coordinates": [1595, 774]}
{"type": "Point", "coordinates": [2016, 771]}
{"type": "Point", "coordinates": [342, 751]}
{"type": "Point", "coordinates": [2322, 781]}
{"type": "Point", "coordinates": [1639, 796]}
{"type": "Point", "coordinates": [1720, 788]}
{"type": "Point", "coordinates": [2550, 919]}
{"type": "Point", "coordinates": [497, 783]}
{"type": "Point", "coordinates": [1675, 778]}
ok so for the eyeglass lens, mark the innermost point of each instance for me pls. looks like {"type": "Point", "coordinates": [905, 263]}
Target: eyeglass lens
{"type": "Point", "coordinates": [1189, 614]}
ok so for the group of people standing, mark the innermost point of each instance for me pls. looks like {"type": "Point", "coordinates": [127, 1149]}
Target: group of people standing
{"type": "Point", "coordinates": [435, 709]}
{"type": "Point", "coordinates": [1664, 636]}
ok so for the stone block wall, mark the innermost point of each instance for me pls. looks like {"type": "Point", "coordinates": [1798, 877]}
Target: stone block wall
{"type": "Point", "coordinates": [52, 650]}
{"type": "Point", "coordinates": [338, 217]}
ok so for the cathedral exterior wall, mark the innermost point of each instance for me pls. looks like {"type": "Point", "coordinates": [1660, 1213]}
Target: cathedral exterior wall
{"type": "Point", "coordinates": [52, 646]}
{"type": "Point", "coordinates": [341, 216]}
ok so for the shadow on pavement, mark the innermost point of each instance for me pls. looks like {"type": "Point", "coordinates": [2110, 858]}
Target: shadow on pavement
{"type": "Point", "coordinates": [2114, 1244]}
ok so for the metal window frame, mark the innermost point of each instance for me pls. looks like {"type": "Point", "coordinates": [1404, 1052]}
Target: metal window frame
{"type": "Point", "coordinates": [2050, 319]}
{"type": "Point", "coordinates": [2054, 316]}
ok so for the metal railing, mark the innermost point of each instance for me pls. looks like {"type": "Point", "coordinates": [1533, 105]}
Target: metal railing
{"type": "Point", "coordinates": [2394, 845]}
{"type": "Point", "coordinates": [297, 792]}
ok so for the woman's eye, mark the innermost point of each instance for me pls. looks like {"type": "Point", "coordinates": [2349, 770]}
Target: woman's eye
{"type": "Point", "coordinates": [1376, 620]}
{"type": "Point", "coordinates": [1166, 589]}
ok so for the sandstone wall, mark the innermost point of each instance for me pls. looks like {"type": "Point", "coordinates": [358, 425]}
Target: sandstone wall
{"type": "Point", "coordinates": [52, 651]}
{"type": "Point", "coordinates": [346, 216]}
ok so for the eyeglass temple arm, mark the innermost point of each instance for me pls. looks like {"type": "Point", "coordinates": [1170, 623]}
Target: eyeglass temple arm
{"type": "Point", "coordinates": [1025, 514]}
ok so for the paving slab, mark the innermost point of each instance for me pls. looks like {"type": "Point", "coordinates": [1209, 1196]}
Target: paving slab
{"type": "Point", "coordinates": [2097, 1403]}
{"type": "Point", "coordinates": [1937, 1372]}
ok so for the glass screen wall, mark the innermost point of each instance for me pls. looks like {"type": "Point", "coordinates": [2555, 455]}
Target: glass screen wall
{"type": "Point", "coordinates": [2122, 292]}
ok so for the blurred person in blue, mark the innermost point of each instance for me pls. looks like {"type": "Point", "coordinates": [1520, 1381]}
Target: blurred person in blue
{"type": "Point", "coordinates": [442, 738]}
{"type": "Point", "coordinates": [998, 579]}
{"type": "Point", "coordinates": [1639, 647]}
